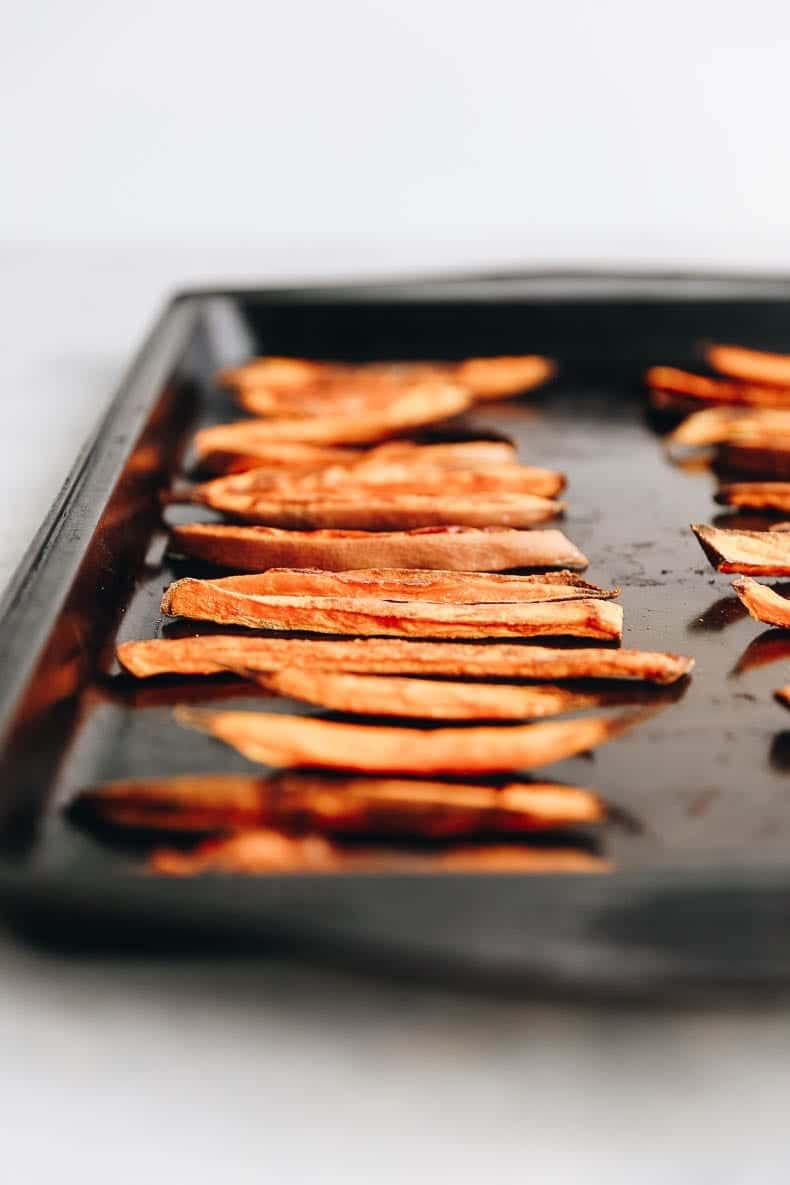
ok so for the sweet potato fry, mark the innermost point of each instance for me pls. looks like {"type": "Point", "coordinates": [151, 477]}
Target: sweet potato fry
{"type": "Point", "coordinates": [349, 399]}
{"type": "Point", "coordinates": [486, 378]}
{"type": "Point", "coordinates": [756, 495]}
{"type": "Point", "coordinates": [714, 425]}
{"type": "Point", "coordinates": [338, 805]}
{"type": "Point", "coordinates": [214, 653]}
{"type": "Point", "coordinates": [762, 602]}
{"type": "Point", "coordinates": [234, 448]}
{"type": "Point", "coordinates": [497, 378]}
{"type": "Point", "coordinates": [426, 699]}
{"type": "Point", "coordinates": [405, 584]}
{"type": "Point", "coordinates": [456, 549]}
{"type": "Point", "coordinates": [782, 694]}
{"type": "Point", "coordinates": [207, 600]}
{"type": "Point", "coordinates": [703, 390]}
{"type": "Point", "coordinates": [246, 445]}
{"type": "Point", "coordinates": [377, 509]}
{"type": "Point", "coordinates": [756, 366]}
{"type": "Point", "coordinates": [260, 852]}
{"type": "Point", "coordinates": [280, 372]}
{"type": "Point", "coordinates": [763, 428]}
{"type": "Point", "coordinates": [363, 478]}
{"type": "Point", "coordinates": [753, 553]}
{"type": "Point", "coordinates": [425, 403]}
{"type": "Point", "coordinates": [305, 742]}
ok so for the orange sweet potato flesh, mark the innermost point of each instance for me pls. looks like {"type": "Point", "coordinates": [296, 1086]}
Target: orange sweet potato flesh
{"type": "Point", "coordinates": [207, 600]}
{"type": "Point", "coordinates": [762, 602]}
{"type": "Point", "coordinates": [782, 694]}
{"type": "Point", "coordinates": [425, 403]}
{"type": "Point", "coordinates": [305, 742]}
{"type": "Point", "coordinates": [214, 653]}
{"type": "Point", "coordinates": [666, 380]}
{"type": "Point", "coordinates": [757, 366]}
{"type": "Point", "coordinates": [264, 851]}
{"type": "Point", "coordinates": [340, 805]}
{"type": "Point", "coordinates": [426, 699]}
{"type": "Point", "coordinates": [406, 584]}
{"type": "Point", "coordinates": [376, 508]}
{"type": "Point", "coordinates": [751, 553]}
{"type": "Point", "coordinates": [756, 495]}
{"type": "Point", "coordinates": [457, 549]}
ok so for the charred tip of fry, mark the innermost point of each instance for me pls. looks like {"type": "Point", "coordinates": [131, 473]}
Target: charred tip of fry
{"type": "Point", "coordinates": [703, 534]}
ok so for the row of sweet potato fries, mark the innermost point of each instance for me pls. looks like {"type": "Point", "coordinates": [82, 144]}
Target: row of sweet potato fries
{"type": "Point", "coordinates": [743, 416]}
{"type": "Point", "coordinates": [342, 527]}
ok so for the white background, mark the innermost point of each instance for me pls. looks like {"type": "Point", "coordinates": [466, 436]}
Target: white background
{"type": "Point", "coordinates": [146, 145]}
{"type": "Point", "coordinates": [508, 129]}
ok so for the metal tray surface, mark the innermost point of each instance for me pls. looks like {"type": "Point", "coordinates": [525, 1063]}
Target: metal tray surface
{"type": "Point", "coordinates": [700, 833]}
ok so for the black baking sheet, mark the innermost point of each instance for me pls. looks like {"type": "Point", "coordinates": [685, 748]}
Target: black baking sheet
{"type": "Point", "coordinates": [701, 795]}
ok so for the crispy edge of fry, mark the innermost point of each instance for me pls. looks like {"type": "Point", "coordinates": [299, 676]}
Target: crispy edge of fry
{"type": "Point", "coordinates": [214, 653]}
{"type": "Point", "coordinates": [782, 695]}
{"type": "Point", "coordinates": [763, 603]}
{"type": "Point", "coordinates": [721, 546]}
{"type": "Point", "coordinates": [740, 362]}
{"type": "Point", "coordinates": [307, 742]}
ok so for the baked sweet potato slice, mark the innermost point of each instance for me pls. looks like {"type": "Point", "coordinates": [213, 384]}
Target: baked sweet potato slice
{"type": "Point", "coordinates": [266, 851]}
{"type": "Point", "coordinates": [246, 445]}
{"type": "Point", "coordinates": [212, 654]}
{"type": "Point", "coordinates": [208, 600]}
{"type": "Point", "coordinates": [456, 549]}
{"type": "Point", "coordinates": [426, 699]}
{"type": "Point", "coordinates": [762, 602]}
{"type": "Point", "coordinates": [487, 378]}
{"type": "Point", "coordinates": [425, 403]}
{"type": "Point", "coordinates": [749, 441]}
{"type": "Point", "coordinates": [751, 553]}
{"type": "Point", "coordinates": [406, 584]}
{"type": "Point", "coordinates": [700, 389]}
{"type": "Point", "coordinates": [305, 742]}
{"type": "Point", "coordinates": [503, 376]}
{"type": "Point", "coordinates": [379, 509]}
{"type": "Point", "coordinates": [375, 477]}
{"type": "Point", "coordinates": [756, 495]}
{"type": "Point", "coordinates": [234, 448]}
{"type": "Point", "coordinates": [751, 366]}
{"type": "Point", "coordinates": [338, 805]}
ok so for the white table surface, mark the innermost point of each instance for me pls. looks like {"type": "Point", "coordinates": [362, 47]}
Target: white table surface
{"type": "Point", "coordinates": [236, 1071]}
